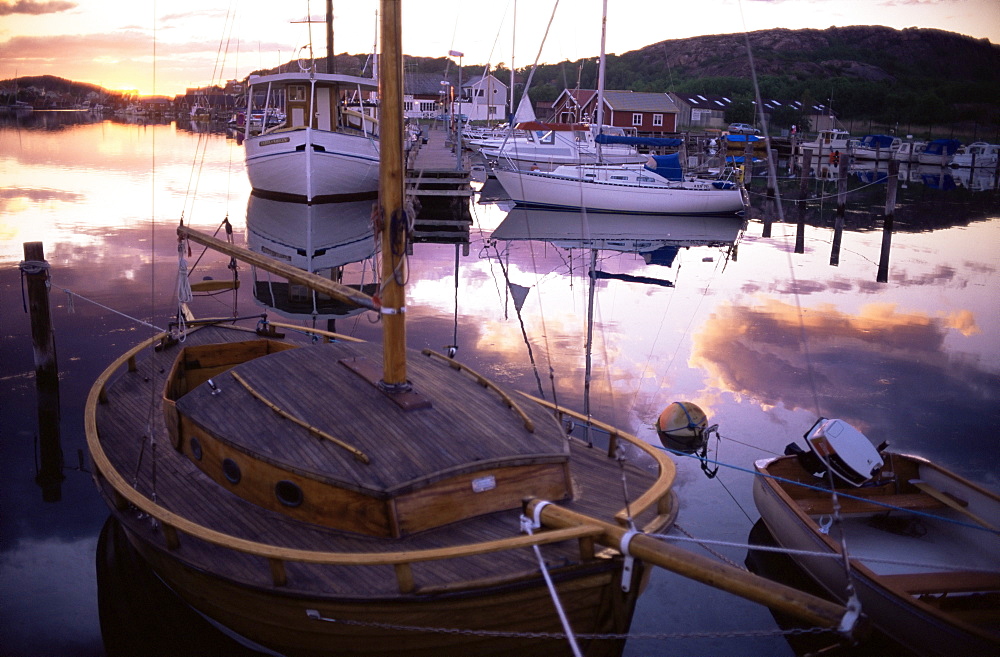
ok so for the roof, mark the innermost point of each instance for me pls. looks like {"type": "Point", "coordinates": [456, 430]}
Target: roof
{"type": "Point", "coordinates": [639, 101]}
{"type": "Point", "coordinates": [422, 84]}
{"type": "Point", "coordinates": [719, 103]}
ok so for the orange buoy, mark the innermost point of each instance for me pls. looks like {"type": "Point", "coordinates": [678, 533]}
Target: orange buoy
{"type": "Point", "coordinates": [681, 426]}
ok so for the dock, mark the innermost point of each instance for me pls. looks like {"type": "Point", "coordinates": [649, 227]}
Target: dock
{"type": "Point", "coordinates": [441, 181]}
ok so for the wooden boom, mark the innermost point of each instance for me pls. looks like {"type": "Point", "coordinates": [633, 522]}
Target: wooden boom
{"type": "Point", "coordinates": [314, 282]}
{"type": "Point", "coordinates": [809, 608]}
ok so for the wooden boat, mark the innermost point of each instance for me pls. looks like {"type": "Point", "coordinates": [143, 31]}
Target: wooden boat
{"type": "Point", "coordinates": [356, 498]}
{"type": "Point", "coordinates": [923, 543]}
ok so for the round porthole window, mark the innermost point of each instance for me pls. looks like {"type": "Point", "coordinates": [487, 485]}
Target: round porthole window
{"type": "Point", "coordinates": [232, 471]}
{"type": "Point", "coordinates": [288, 493]}
{"type": "Point", "coordinates": [196, 449]}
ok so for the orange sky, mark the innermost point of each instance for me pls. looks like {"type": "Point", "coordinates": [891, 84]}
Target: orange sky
{"type": "Point", "coordinates": [166, 47]}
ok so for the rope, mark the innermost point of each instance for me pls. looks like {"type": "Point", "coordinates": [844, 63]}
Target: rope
{"type": "Point", "coordinates": [71, 294]}
{"type": "Point", "coordinates": [527, 526]}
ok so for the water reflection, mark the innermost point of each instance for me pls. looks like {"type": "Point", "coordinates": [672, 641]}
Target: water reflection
{"type": "Point", "coordinates": [321, 239]}
{"type": "Point", "coordinates": [913, 359]}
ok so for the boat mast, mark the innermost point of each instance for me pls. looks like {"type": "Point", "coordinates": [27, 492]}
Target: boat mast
{"type": "Point", "coordinates": [331, 65]}
{"type": "Point", "coordinates": [600, 77]}
{"type": "Point", "coordinates": [390, 192]}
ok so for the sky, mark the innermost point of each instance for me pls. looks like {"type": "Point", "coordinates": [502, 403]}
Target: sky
{"type": "Point", "coordinates": [166, 46]}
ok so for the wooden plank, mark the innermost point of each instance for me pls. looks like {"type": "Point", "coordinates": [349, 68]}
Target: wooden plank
{"type": "Point", "coordinates": [943, 582]}
{"type": "Point", "coordinates": [824, 505]}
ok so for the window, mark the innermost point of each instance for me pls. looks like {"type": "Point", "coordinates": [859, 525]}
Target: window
{"type": "Point", "coordinates": [232, 471]}
{"type": "Point", "coordinates": [408, 106]}
{"type": "Point", "coordinates": [658, 119]}
{"type": "Point", "coordinates": [637, 119]}
{"type": "Point", "coordinates": [288, 493]}
{"type": "Point", "coordinates": [296, 92]}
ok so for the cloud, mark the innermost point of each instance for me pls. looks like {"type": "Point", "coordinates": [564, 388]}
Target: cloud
{"type": "Point", "coordinates": [855, 366]}
{"type": "Point", "coordinates": [34, 7]}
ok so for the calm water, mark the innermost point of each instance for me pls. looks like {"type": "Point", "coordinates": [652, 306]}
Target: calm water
{"type": "Point", "coordinates": [764, 339]}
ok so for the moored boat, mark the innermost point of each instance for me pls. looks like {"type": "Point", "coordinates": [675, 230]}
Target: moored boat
{"type": "Point", "coordinates": [909, 152]}
{"type": "Point", "coordinates": [876, 147]}
{"type": "Point", "coordinates": [939, 152]}
{"type": "Point", "coordinates": [977, 154]}
{"type": "Point", "coordinates": [322, 151]}
{"type": "Point", "coordinates": [356, 498]}
{"type": "Point", "coordinates": [659, 187]}
{"type": "Point", "coordinates": [922, 543]}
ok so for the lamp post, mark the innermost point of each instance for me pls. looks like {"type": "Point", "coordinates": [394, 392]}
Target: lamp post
{"type": "Point", "coordinates": [458, 139]}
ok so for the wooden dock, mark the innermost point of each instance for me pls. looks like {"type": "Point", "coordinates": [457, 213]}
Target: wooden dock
{"type": "Point", "coordinates": [441, 181]}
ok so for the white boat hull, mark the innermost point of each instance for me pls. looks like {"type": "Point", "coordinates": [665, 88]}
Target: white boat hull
{"type": "Point", "coordinates": [313, 165]}
{"type": "Point", "coordinates": [904, 617]}
{"type": "Point", "coordinates": [530, 188]}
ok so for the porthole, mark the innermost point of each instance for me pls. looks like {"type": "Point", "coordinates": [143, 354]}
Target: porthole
{"type": "Point", "coordinates": [196, 449]}
{"type": "Point", "coordinates": [288, 493]}
{"type": "Point", "coordinates": [232, 471]}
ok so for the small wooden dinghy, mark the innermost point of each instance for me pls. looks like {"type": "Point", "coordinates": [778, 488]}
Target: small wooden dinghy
{"type": "Point", "coordinates": [923, 543]}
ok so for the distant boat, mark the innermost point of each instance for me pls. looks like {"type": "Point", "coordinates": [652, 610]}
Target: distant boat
{"type": "Point", "coordinates": [659, 187]}
{"type": "Point", "coordinates": [939, 152]}
{"type": "Point", "coordinates": [909, 152]}
{"type": "Point", "coordinates": [324, 150]}
{"type": "Point", "coordinates": [978, 154]}
{"type": "Point", "coordinates": [544, 146]}
{"type": "Point", "coordinates": [833, 139]}
{"type": "Point", "coordinates": [876, 147]}
{"type": "Point", "coordinates": [923, 543]}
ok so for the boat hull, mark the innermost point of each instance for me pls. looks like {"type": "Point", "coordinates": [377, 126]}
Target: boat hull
{"type": "Point", "coordinates": [531, 189]}
{"type": "Point", "coordinates": [313, 166]}
{"type": "Point", "coordinates": [907, 619]}
{"type": "Point", "coordinates": [455, 578]}
{"type": "Point", "coordinates": [496, 620]}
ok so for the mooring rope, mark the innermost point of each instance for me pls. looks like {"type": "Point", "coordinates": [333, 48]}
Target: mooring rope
{"type": "Point", "coordinates": [527, 526]}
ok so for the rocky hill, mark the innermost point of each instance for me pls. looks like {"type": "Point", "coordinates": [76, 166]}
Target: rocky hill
{"type": "Point", "coordinates": [872, 53]}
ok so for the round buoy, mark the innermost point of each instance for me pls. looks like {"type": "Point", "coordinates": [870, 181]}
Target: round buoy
{"type": "Point", "coordinates": [681, 427]}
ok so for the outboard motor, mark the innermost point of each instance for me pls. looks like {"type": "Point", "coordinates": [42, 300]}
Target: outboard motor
{"type": "Point", "coordinates": [840, 448]}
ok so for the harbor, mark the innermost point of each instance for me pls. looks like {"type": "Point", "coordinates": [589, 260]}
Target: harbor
{"type": "Point", "coordinates": [473, 308]}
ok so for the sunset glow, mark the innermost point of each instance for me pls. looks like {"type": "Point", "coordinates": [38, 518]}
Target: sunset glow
{"type": "Point", "coordinates": [164, 48]}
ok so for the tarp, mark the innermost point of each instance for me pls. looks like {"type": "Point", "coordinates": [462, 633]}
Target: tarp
{"type": "Point", "coordinates": [638, 141]}
{"type": "Point", "coordinates": [744, 138]}
{"type": "Point", "coordinates": [668, 166]}
{"type": "Point", "coordinates": [939, 146]}
{"type": "Point", "coordinates": [876, 141]}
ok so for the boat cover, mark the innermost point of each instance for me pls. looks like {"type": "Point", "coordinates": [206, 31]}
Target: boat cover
{"type": "Point", "coordinates": [876, 141]}
{"type": "Point", "coordinates": [744, 138]}
{"type": "Point", "coordinates": [668, 166]}
{"type": "Point", "coordinates": [945, 146]}
{"type": "Point", "coordinates": [638, 141]}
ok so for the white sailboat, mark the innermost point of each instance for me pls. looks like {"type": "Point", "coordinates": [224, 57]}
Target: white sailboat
{"type": "Point", "coordinates": [656, 187]}
{"type": "Point", "coordinates": [323, 151]}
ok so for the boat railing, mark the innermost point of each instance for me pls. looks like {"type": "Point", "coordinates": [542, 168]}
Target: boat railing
{"type": "Point", "coordinates": [173, 525]}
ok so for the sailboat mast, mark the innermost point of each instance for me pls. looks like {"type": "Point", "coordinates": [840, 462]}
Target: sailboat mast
{"type": "Point", "coordinates": [331, 65]}
{"type": "Point", "coordinates": [390, 192]}
{"type": "Point", "coordinates": [600, 74]}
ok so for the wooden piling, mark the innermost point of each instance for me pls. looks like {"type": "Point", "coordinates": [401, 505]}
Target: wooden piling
{"type": "Point", "coordinates": [36, 275]}
{"type": "Point", "coordinates": [890, 209]}
{"type": "Point", "coordinates": [843, 160]}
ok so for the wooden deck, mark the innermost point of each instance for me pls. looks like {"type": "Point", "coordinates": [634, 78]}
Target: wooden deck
{"type": "Point", "coordinates": [441, 180]}
{"type": "Point", "coordinates": [133, 437]}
